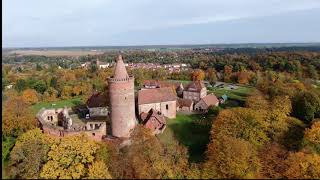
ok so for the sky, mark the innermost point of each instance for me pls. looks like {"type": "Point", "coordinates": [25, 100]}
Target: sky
{"type": "Point", "coordinates": [44, 23]}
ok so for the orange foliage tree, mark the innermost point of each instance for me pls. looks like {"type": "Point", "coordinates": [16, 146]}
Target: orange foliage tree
{"type": "Point", "coordinates": [302, 165]}
{"type": "Point", "coordinates": [198, 75]}
{"type": "Point", "coordinates": [17, 117]}
{"type": "Point", "coordinates": [30, 96]}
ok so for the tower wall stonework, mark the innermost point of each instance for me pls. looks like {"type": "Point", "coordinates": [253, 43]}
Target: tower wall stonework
{"type": "Point", "coordinates": [122, 106]}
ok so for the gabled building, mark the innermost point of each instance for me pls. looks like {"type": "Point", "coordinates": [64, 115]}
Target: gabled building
{"type": "Point", "coordinates": [97, 104]}
{"type": "Point", "coordinates": [194, 91]}
{"type": "Point", "coordinates": [154, 121]}
{"type": "Point", "coordinates": [160, 99]}
{"type": "Point", "coordinates": [206, 102]}
{"type": "Point", "coordinates": [185, 105]}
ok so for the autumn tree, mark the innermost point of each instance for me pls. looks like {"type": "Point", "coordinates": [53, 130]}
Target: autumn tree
{"type": "Point", "coordinates": [30, 96]}
{"type": "Point", "coordinates": [272, 158]}
{"type": "Point", "coordinates": [227, 73]}
{"type": "Point", "coordinates": [69, 158]}
{"type": "Point", "coordinates": [312, 137]}
{"type": "Point", "coordinates": [98, 170]}
{"type": "Point", "coordinates": [198, 75]}
{"type": "Point", "coordinates": [231, 157]}
{"type": "Point", "coordinates": [211, 75]}
{"type": "Point", "coordinates": [29, 154]}
{"type": "Point", "coordinates": [17, 117]}
{"type": "Point", "coordinates": [303, 165]}
{"type": "Point", "coordinates": [155, 161]}
{"type": "Point", "coordinates": [243, 123]}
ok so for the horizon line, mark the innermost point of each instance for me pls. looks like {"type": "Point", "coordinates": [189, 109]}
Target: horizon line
{"type": "Point", "coordinates": [146, 45]}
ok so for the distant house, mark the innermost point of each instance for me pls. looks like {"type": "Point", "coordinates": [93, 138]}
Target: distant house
{"type": "Point", "coordinates": [185, 105]}
{"type": "Point", "coordinates": [98, 104]}
{"type": "Point", "coordinates": [206, 102]}
{"type": "Point", "coordinates": [102, 65]}
{"type": "Point", "coordinates": [154, 121]}
{"type": "Point", "coordinates": [85, 65]}
{"type": "Point", "coordinates": [9, 86]}
{"type": "Point", "coordinates": [195, 91]}
{"type": "Point", "coordinates": [160, 99]}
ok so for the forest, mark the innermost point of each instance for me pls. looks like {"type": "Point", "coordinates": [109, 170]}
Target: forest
{"type": "Point", "coordinates": [274, 133]}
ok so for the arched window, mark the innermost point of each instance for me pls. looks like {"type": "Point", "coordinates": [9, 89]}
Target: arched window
{"type": "Point", "coordinates": [167, 106]}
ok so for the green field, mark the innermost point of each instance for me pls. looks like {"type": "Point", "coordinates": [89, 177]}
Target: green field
{"type": "Point", "coordinates": [239, 94]}
{"type": "Point", "coordinates": [58, 104]}
{"type": "Point", "coordinates": [192, 131]}
{"type": "Point", "coordinates": [184, 82]}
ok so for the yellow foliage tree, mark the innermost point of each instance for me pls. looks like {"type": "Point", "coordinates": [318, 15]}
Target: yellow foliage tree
{"type": "Point", "coordinates": [17, 117]}
{"type": "Point", "coordinates": [303, 165]}
{"type": "Point", "coordinates": [313, 134]}
{"type": "Point", "coordinates": [29, 154]}
{"type": "Point", "coordinates": [98, 170]}
{"type": "Point", "coordinates": [231, 157]}
{"type": "Point", "coordinates": [69, 158]}
{"type": "Point", "coordinates": [30, 96]}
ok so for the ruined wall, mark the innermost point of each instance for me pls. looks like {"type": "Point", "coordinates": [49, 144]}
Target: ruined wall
{"type": "Point", "coordinates": [98, 111]}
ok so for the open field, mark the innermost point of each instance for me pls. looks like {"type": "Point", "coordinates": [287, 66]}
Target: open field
{"type": "Point", "coordinates": [192, 131]}
{"type": "Point", "coordinates": [55, 53]}
{"type": "Point", "coordinates": [58, 104]}
{"type": "Point", "coordinates": [239, 94]}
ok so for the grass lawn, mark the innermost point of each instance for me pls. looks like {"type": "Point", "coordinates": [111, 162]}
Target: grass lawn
{"type": "Point", "coordinates": [193, 131]}
{"type": "Point", "coordinates": [239, 94]}
{"type": "Point", "coordinates": [58, 104]}
{"type": "Point", "coordinates": [184, 82]}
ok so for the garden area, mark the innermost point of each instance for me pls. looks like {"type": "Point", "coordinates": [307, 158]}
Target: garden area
{"type": "Point", "coordinates": [193, 131]}
{"type": "Point", "coordinates": [57, 104]}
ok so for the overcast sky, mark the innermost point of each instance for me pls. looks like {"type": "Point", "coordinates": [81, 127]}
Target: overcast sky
{"type": "Point", "coordinates": [37, 23]}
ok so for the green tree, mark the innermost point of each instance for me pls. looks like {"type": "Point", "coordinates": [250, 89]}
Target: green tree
{"type": "Point", "coordinates": [29, 154]}
{"type": "Point", "coordinates": [306, 105]}
{"type": "Point", "coordinates": [21, 85]}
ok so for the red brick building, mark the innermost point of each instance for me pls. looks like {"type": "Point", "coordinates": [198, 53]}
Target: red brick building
{"type": "Point", "coordinates": [122, 104]}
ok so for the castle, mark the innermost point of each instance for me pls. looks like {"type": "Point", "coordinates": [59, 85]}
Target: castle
{"type": "Point", "coordinates": [95, 117]}
{"type": "Point", "coordinates": [113, 114]}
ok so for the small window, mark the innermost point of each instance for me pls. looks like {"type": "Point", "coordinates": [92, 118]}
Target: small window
{"type": "Point", "coordinates": [48, 118]}
{"type": "Point", "coordinates": [51, 118]}
{"type": "Point", "coordinates": [93, 134]}
{"type": "Point", "coordinates": [167, 106]}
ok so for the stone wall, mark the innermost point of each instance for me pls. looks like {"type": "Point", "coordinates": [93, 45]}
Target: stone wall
{"type": "Point", "coordinates": [98, 111]}
{"type": "Point", "coordinates": [168, 109]}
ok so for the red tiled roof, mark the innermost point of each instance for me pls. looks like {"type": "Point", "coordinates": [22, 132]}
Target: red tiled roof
{"type": "Point", "coordinates": [98, 100]}
{"type": "Point", "coordinates": [195, 86]}
{"type": "Point", "coordinates": [156, 95]}
{"type": "Point", "coordinates": [160, 84]}
{"type": "Point", "coordinates": [120, 71]}
{"type": "Point", "coordinates": [184, 102]}
{"type": "Point", "coordinates": [210, 99]}
{"type": "Point", "coordinates": [145, 117]}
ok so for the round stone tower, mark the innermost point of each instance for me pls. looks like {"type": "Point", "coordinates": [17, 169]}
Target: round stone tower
{"type": "Point", "coordinates": [122, 104]}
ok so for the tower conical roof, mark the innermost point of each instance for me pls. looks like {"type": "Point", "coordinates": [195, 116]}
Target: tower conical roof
{"type": "Point", "coordinates": [120, 71]}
